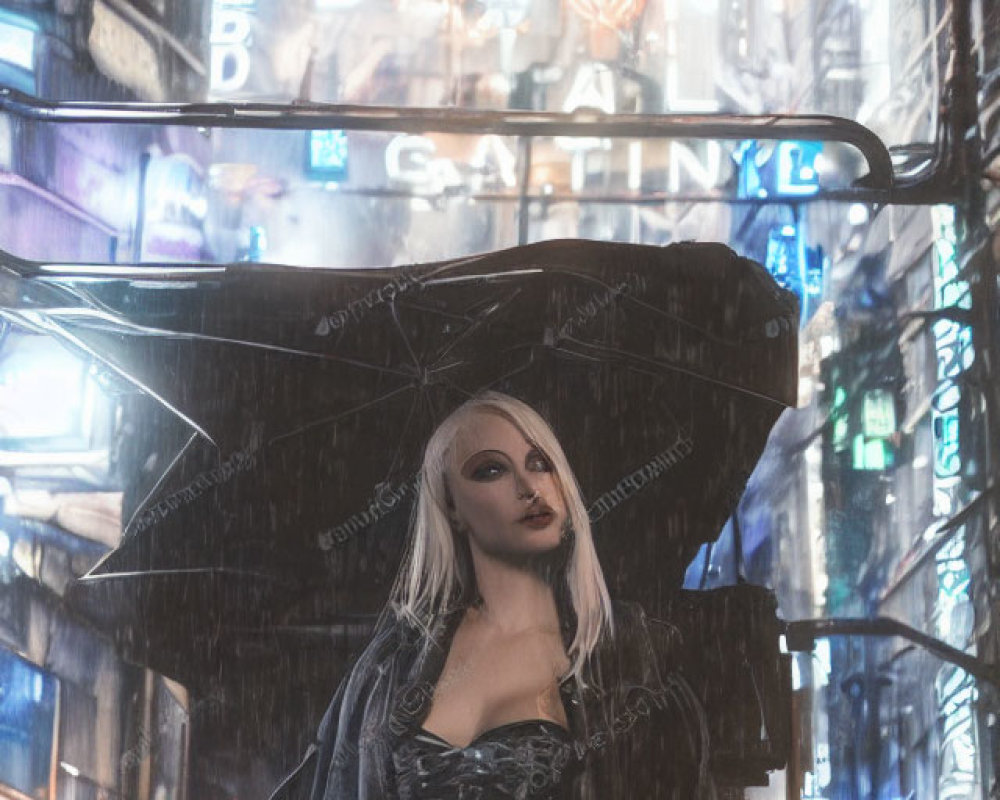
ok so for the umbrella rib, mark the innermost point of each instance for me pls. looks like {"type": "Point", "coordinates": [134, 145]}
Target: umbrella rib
{"type": "Point", "coordinates": [335, 417]}
{"type": "Point", "coordinates": [675, 368]}
{"type": "Point", "coordinates": [170, 467]}
{"type": "Point", "coordinates": [406, 427]}
{"type": "Point", "coordinates": [411, 305]}
{"type": "Point", "coordinates": [435, 413]}
{"type": "Point", "coordinates": [510, 374]}
{"type": "Point", "coordinates": [472, 328]}
{"type": "Point", "coordinates": [479, 320]}
{"type": "Point", "coordinates": [478, 278]}
{"type": "Point", "coordinates": [445, 367]}
{"type": "Point", "coordinates": [52, 327]}
{"type": "Point", "coordinates": [581, 275]}
{"type": "Point", "coordinates": [178, 571]}
{"type": "Point", "coordinates": [402, 333]}
{"type": "Point", "coordinates": [743, 338]}
{"type": "Point", "coordinates": [529, 346]}
{"type": "Point", "coordinates": [632, 368]}
{"type": "Point", "coordinates": [476, 322]}
{"type": "Point", "coordinates": [80, 293]}
{"type": "Point", "coordinates": [145, 330]}
{"type": "Point", "coordinates": [659, 311]}
{"type": "Point", "coordinates": [467, 393]}
{"type": "Point", "coordinates": [455, 386]}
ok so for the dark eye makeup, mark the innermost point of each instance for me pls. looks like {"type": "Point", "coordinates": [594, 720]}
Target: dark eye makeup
{"type": "Point", "coordinates": [485, 470]}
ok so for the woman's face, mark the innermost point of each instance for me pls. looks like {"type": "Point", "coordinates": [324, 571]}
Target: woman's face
{"type": "Point", "coordinates": [493, 472]}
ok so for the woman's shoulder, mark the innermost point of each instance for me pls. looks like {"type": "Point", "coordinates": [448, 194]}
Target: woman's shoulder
{"type": "Point", "coordinates": [385, 640]}
{"type": "Point", "coordinates": [398, 633]}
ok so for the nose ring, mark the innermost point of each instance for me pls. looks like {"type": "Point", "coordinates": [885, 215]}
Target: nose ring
{"type": "Point", "coordinates": [530, 497]}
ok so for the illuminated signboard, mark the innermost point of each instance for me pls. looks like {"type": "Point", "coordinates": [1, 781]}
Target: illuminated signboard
{"type": "Point", "coordinates": [878, 418]}
{"type": "Point", "coordinates": [327, 154]}
{"type": "Point", "coordinates": [175, 207]}
{"type": "Point", "coordinates": [48, 394]}
{"type": "Point", "coordinates": [839, 415]}
{"type": "Point", "coordinates": [789, 168]}
{"type": "Point", "coordinates": [796, 170]}
{"type": "Point", "coordinates": [955, 689]}
{"type": "Point", "coordinates": [231, 36]}
{"type": "Point", "coordinates": [28, 718]}
{"type": "Point", "coordinates": [18, 50]}
{"type": "Point", "coordinates": [955, 354]}
{"type": "Point", "coordinates": [796, 267]}
{"type": "Point", "coordinates": [17, 44]}
{"type": "Point", "coordinates": [872, 454]}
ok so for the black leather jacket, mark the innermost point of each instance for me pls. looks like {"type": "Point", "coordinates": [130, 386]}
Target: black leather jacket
{"type": "Point", "coordinates": [638, 730]}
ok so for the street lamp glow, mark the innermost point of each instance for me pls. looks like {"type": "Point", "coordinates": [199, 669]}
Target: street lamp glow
{"type": "Point", "coordinates": [857, 214]}
{"type": "Point", "coordinates": [70, 769]}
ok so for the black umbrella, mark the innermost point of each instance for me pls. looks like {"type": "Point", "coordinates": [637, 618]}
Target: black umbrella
{"type": "Point", "coordinates": [310, 394]}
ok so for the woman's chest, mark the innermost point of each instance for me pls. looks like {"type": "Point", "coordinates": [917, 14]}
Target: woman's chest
{"type": "Point", "coordinates": [481, 688]}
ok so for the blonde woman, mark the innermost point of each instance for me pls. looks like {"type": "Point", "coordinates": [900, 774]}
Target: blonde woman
{"type": "Point", "coordinates": [501, 667]}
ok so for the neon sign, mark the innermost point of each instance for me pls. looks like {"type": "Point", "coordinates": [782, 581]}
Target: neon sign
{"type": "Point", "coordinates": [414, 160]}
{"type": "Point", "coordinates": [954, 688]}
{"type": "Point", "coordinates": [231, 38]}
{"type": "Point", "coordinates": [789, 168]}
{"type": "Point", "coordinates": [955, 354]}
{"type": "Point", "coordinates": [17, 41]}
{"type": "Point", "coordinates": [328, 153]}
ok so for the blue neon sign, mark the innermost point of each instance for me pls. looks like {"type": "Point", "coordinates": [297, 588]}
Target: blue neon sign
{"type": "Point", "coordinates": [787, 170]}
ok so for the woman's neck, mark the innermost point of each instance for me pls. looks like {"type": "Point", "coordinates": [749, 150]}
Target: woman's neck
{"type": "Point", "coordinates": [513, 599]}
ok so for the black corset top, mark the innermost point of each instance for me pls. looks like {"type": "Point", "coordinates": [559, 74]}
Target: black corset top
{"type": "Point", "coordinates": [529, 758]}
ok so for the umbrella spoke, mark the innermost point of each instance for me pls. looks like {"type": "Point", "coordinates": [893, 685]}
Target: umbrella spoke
{"type": "Point", "coordinates": [481, 319]}
{"type": "Point", "coordinates": [406, 340]}
{"type": "Point", "coordinates": [47, 325]}
{"type": "Point", "coordinates": [335, 417]}
{"type": "Point", "coordinates": [397, 458]}
{"type": "Point", "coordinates": [438, 371]}
{"type": "Point", "coordinates": [740, 340]}
{"type": "Point", "coordinates": [145, 502]}
{"type": "Point", "coordinates": [464, 393]}
{"type": "Point", "coordinates": [177, 572]}
{"type": "Point", "coordinates": [623, 356]}
{"type": "Point", "coordinates": [502, 379]}
{"type": "Point", "coordinates": [165, 333]}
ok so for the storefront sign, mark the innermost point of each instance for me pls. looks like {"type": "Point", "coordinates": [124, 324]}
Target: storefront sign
{"type": "Point", "coordinates": [230, 40]}
{"type": "Point", "coordinates": [414, 160]}
{"type": "Point", "coordinates": [175, 208]}
{"type": "Point", "coordinates": [955, 689]}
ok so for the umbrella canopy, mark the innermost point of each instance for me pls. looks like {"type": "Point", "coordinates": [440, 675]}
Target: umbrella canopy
{"type": "Point", "coordinates": [309, 395]}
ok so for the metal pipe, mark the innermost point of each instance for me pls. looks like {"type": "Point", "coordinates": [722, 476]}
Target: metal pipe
{"type": "Point", "coordinates": [523, 200]}
{"type": "Point", "coordinates": [589, 123]}
{"type": "Point", "coordinates": [800, 635]}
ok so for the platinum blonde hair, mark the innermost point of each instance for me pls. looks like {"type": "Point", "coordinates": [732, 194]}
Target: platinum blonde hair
{"type": "Point", "coordinates": [437, 572]}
